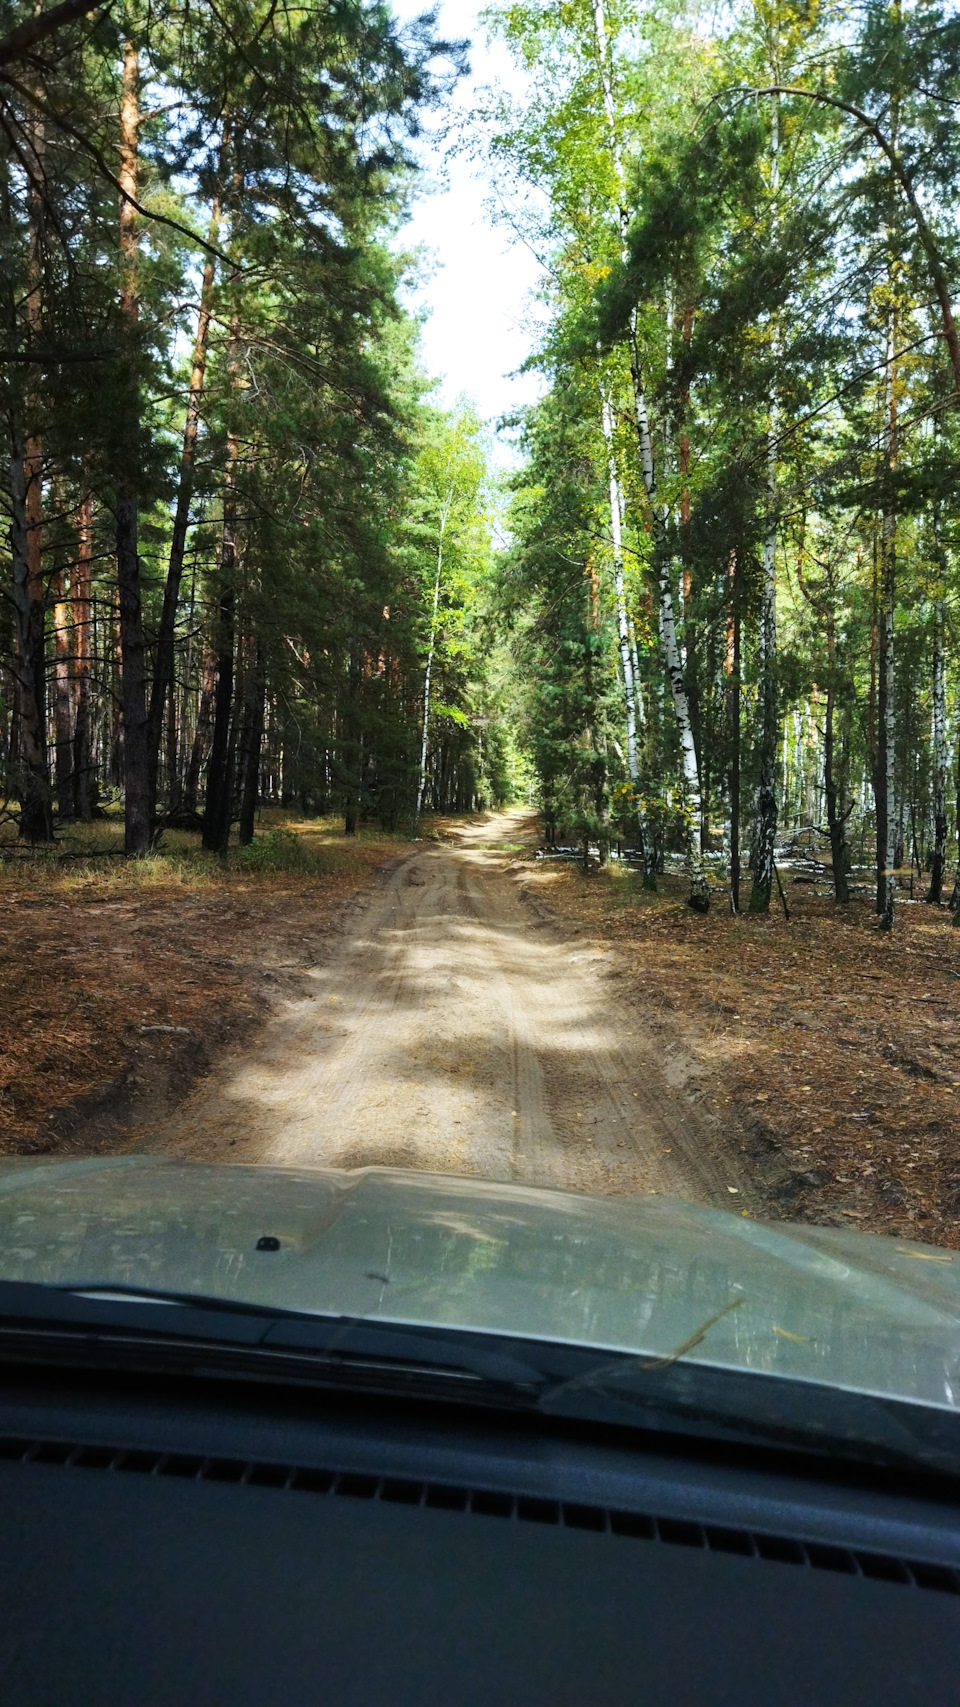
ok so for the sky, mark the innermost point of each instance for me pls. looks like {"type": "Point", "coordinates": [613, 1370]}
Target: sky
{"type": "Point", "coordinates": [479, 290]}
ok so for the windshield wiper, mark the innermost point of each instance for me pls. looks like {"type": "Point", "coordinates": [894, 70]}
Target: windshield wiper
{"type": "Point", "coordinates": [124, 1318]}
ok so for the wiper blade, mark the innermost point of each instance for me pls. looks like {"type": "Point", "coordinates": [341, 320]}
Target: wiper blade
{"type": "Point", "coordinates": [109, 1314]}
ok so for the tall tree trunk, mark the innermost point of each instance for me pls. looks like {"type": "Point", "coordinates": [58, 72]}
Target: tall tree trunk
{"type": "Point", "coordinates": [627, 651]}
{"type": "Point", "coordinates": [766, 834]}
{"type": "Point", "coordinates": [133, 691]}
{"type": "Point", "coordinates": [422, 780]}
{"type": "Point", "coordinates": [886, 679]}
{"type": "Point", "coordinates": [80, 606]}
{"type": "Point", "coordinates": [63, 698]}
{"type": "Point", "coordinates": [191, 786]}
{"type": "Point", "coordinates": [699, 892]}
{"type": "Point", "coordinates": [836, 819]}
{"type": "Point", "coordinates": [939, 865]}
{"type": "Point", "coordinates": [733, 714]}
{"type": "Point", "coordinates": [36, 818]}
{"type": "Point", "coordinates": [163, 674]}
{"type": "Point", "coordinates": [216, 817]}
{"type": "Point", "coordinates": [254, 696]}
{"type": "Point", "coordinates": [36, 821]}
{"type": "Point", "coordinates": [623, 630]}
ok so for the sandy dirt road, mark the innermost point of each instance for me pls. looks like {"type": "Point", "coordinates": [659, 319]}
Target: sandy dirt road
{"type": "Point", "coordinates": [454, 1030]}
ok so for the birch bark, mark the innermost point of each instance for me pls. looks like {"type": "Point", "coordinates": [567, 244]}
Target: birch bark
{"type": "Point", "coordinates": [422, 779]}
{"type": "Point", "coordinates": [699, 893]}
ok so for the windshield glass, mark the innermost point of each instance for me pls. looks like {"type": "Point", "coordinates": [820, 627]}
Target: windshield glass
{"type": "Point", "coordinates": [645, 1286]}
{"type": "Point", "coordinates": [478, 740]}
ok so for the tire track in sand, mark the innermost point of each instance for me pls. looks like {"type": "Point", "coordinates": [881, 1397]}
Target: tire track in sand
{"type": "Point", "coordinates": [448, 1032]}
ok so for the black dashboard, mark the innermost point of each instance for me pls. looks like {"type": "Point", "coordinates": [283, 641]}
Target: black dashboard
{"type": "Point", "coordinates": [186, 1542]}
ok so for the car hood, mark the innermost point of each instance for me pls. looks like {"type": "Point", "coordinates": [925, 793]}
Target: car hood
{"type": "Point", "coordinates": [637, 1275]}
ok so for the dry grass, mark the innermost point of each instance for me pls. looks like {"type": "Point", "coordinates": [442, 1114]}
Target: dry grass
{"type": "Point", "coordinates": [834, 1047]}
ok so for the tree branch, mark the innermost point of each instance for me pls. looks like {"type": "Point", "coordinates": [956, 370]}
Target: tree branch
{"type": "Point", "coordinates": [18, 44]}
{"type": "Point", "coordinates": [927, 241]}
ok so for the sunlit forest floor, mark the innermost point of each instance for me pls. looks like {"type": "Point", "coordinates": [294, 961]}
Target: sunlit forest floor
{"type": "Point", "coordinates": [120, 980]}
{"type": "Point", "coordinates": [830, 1048]}
{"type": "Point", "coordinates": [833, 1047]}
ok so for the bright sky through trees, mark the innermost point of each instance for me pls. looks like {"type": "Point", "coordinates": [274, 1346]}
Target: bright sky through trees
{"type": "Point", "coordinates": [478, 292]}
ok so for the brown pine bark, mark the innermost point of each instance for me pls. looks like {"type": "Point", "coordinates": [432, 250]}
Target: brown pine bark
{"type": "Point", "coordinates": [938, 865]}
{"type": "Point", "coordinates": [80, 583]}
{"type": "Point", "coordinates": [884, 774]}
{"type": "Point", "coordinates": [133, 694]}
{"type": "Point", "coordinates": [36, 819]}
{"type": "Point", "coordinates": [732, 670]}
{"type": "Point", "coordinates": [63, 697]}
{"type": "Point", "coordinates": [36, 822]}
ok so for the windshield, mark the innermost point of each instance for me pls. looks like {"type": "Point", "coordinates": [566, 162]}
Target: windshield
{"type": "Point", "coordinates": [478, 851]}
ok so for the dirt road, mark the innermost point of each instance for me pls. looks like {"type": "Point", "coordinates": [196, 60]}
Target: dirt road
{"type": "Point", "coordinates": [454, 1030]}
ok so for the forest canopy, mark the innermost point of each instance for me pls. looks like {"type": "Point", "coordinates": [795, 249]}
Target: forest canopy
{"type": "Point", "coordinates": [244, 546]}
{"type": "Point", "coordinates": [733, 573]}
{"type": "Point", "coordinates": [250, 560]}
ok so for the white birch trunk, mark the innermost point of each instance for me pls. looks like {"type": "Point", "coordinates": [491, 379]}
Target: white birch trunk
{"type": "Point", "coordinates": [699, 893]}
{"type": "Point", "coordinates": [623, 629]}
{"type": "Point", "coordinates": [422, 781]}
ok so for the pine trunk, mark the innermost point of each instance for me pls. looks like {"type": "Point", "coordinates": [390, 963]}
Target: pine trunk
{"type": "Point", "coordinates": [733, 716]}
{"type": "Point", "coordinates": [216, 817]}
{"type": "Point", "coordinates": [63, 698]}
{"type": "Point", "coordinates": [766, 836]}
{"type": "Point", "coordinates": [191, 786]}
{"type": "Point", "coordinates": [36, 818]}
{"type": "Point", "coordinates": [133, 681]}
{"type": "Point", "coordinates": [886, 678]}
{"type": "Point", "coordinates": [836, 820]}
{"type": "Point", "coordinates": [939, 865]}
{"type": "Point", "coordinates": [81, 612]}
